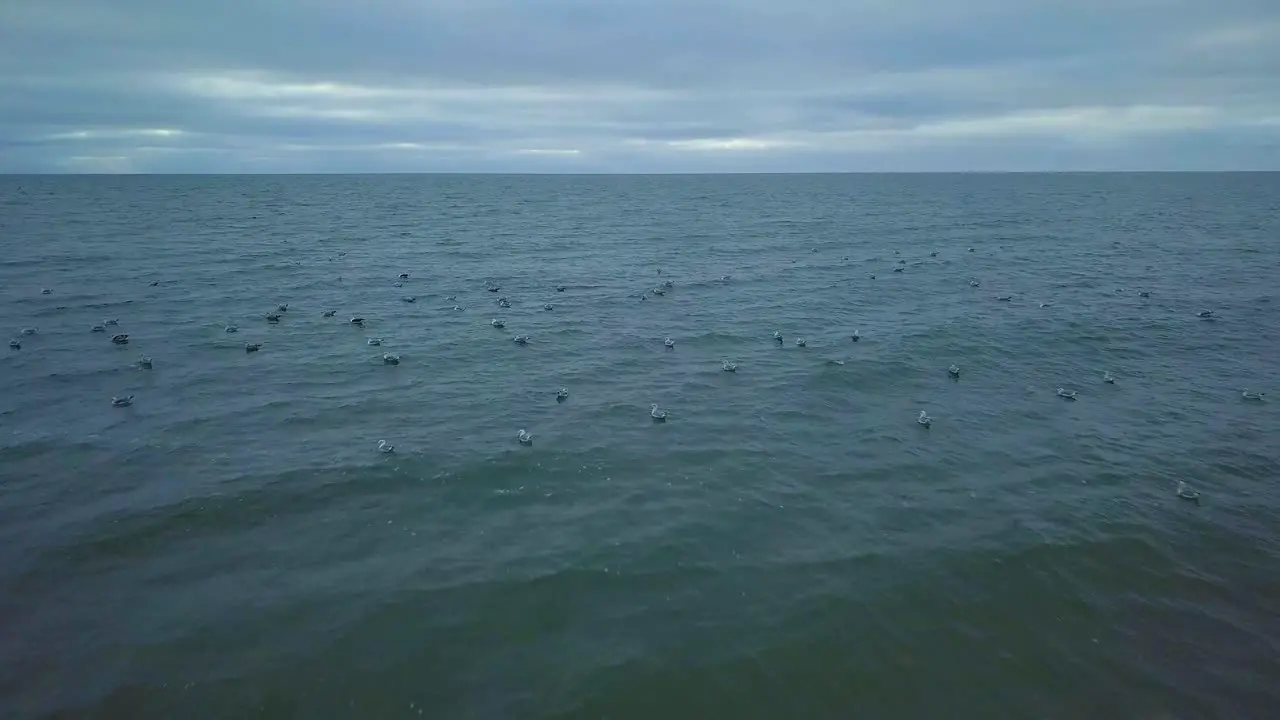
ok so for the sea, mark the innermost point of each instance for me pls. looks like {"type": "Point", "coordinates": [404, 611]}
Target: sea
{"type": "Point", "coordinates": [789, 543]}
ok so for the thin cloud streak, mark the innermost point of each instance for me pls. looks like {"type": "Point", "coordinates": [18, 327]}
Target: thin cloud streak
{"type": "Point", "coordinates": [638, 86]}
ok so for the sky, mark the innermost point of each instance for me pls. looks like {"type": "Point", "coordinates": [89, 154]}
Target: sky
{"type": "Point", "coordinates": [268, 86]}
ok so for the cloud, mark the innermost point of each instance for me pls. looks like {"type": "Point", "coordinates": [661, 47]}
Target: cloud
{"type": "Point", "coordinates": [638, 85]}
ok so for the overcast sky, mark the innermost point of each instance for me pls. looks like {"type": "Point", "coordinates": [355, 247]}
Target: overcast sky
{"type": "Point", "coordinates": [637, 85]}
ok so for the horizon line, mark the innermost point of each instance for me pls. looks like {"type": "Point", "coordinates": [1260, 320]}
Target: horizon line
{"type": "Point", "coordinates": [639, 174]}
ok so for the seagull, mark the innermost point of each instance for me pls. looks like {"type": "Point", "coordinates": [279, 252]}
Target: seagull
{"type": "Point", "coordinates": [933, 254]}
{"type": "Point", "coordinates": [404, 276]}
{"type": "Point", "coordinates": [1004, 298]}
{"type": "Point", "coordinates": [777, 335]}
{"type": "Point", "coordinates": [669, 343]}
{"type": "Point", "coordinates": [1206, 314]}
{"type": "Point", "coordinates": [1066, 394]}
{"type": "Point", "coordinates": [121, 339]}
{"type": "Point", "coordinates": [498, 323]}
{"type": "Point", "coordinates": [357, 321]}
{"type": "Point", "coordinates": [29, 331]}
{"type": "Point", "coordinates": [155, 283]}
{"type": "Point", "coordinates": [451, 298]}
{"type": "Point", "coordinates": [659, 291]}
{"type": "Point", "coordinates": [1252, 395]}
{"type": "Point", "coordinates": [1186, 493]}
{"type": "Point", "coordinates": [374, 341]}
{"type": "Point", "coordinates": [409, 299]}
{"type": "Point", "coordinates": [729, 367]}
{"type": "Point", "coordinates": [954, 371]}
{"type": "Point", "coordinates": [656, 414]}
{"type": "Point", "coordinates": [390, 359]}
{"type": "Point", "coordinates": [973, 283]}
{"type": "Point", "coordinates": [897, 269]}
{"type": "Point", "coordinates": [802, 343]}
{"type": "Point", "coordinates": [1108, 379]}
{"type": "Point", "coordinates": [548, 306]}
{"type": "Point", "coordinates": [562, 394]}
{"type": "Point", "coordinates": [110, 322]}
{"type": "Point", "coordinates": [856, 336]}
{"type": "Point", "coordinates": [524, 438]}
{"type": "Point", "coordinates": [230, 328]}
{"type": "Point", "coordinates": [252, 347]}
{"type": "Point", "coordinates": [273, 317]}
{"type": "Point", "coordinates": [494, 288]}
{"type": "Point", "coordinates": [521, 339]}
{"type": "Point", "coordinates": [457, 307]}
{"type": "Point", "coordinates": [384, 446]}
{"type": "Point", "coordinates": [283, 308]}
{"type": "Point", "coordinates": [98, 328]}
{"type": "Point", "coordinates": [46, 291]}
{"type": "Point", "coordinates": [1044, 305]}
{"type": "Point", "coordinates": [970, 249]}
{"type": "Point", "coordinates": [15, 344]}
{"type": "Point", "coordinates": [1145, 294]}
{"type": "Point", "coordinates": [924, 419]}
{"type": "Point", "coordinates": [329, 313]}
{"type": "Point", "coordinates": [144, 362]}
{"type": "Point", "coordinates": [125, 401]}
{"type": "Point", "coordinates": [560, 288]}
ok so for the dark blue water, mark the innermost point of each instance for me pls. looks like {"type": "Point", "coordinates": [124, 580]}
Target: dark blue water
{"type": "Point", "coordinates": [790, 543]}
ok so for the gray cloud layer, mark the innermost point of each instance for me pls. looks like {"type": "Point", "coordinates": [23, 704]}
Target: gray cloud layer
{"type": "Point", "coordinates": [637, 85]}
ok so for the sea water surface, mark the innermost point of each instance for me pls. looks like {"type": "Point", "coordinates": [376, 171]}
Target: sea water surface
{"type": "Point", "coordinates": [789, 544]}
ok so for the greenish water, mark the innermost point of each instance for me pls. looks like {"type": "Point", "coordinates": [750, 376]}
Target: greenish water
{"type": "Point", "coordinates": [790, 543]}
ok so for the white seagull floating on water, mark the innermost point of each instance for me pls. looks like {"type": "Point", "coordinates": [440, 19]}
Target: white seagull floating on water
{"type": "Point", "coordinates": [954, 371]}
{"type": "Point", "coordinates": [144, 362]}
{"type": "Point", "coordinates": [1186, 493]}
{"type": "Point", "coordinates": [390, 359]}
{"type": "Point", "coordinates": [1108, 379]}
{"type": "Point", "coordinates": [801, 342]}
{"type": "Point", "coordinates": [656, 414]}
{"type": "Point", "coordinates": [374, 341]}
{"type": "Point", "coordinates": [669, 343]}
{"type": "Point", "coordinates": [125, 401]}
{"type": "Point", "coordinates": [924, 419]}
{"type": "Point", "coordinates": [562, 394]}
{"type": "Point", "coordinates": [498, 323]}
{"type": "Point", "coordinates": [252, 347]}
{"type": "Point", "coordinates": [521, 339]}
{"type": "Point", "coordinates": [524, 438]}
{"type": "Point", "coordinates": [1066, 394]}
{"type": "Point", "coordinates": [384, 446]}
{"type": "Point", "coordinates": [730, 367]}
{"type": "Point", "coordinates": [1252, 395]}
